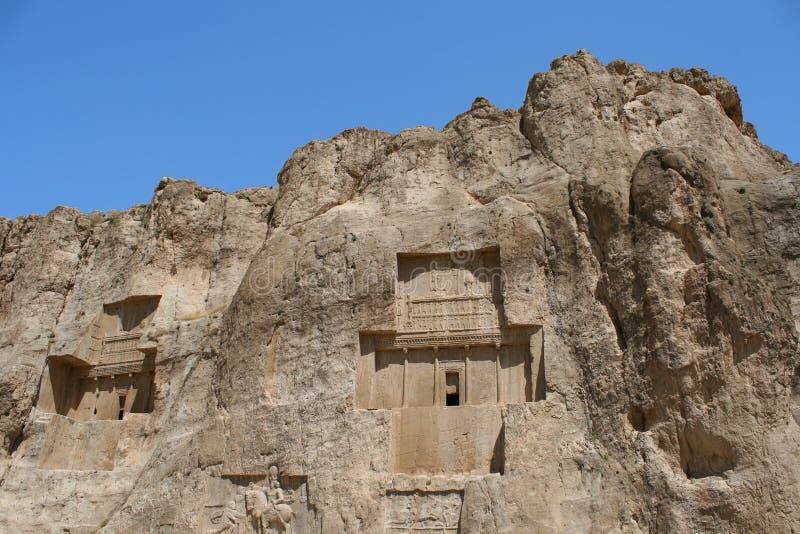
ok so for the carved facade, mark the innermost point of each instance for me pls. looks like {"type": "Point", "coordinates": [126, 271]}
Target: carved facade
{"type": "Point", "coordinates": [445, 371]}
{"type": "Point", "coordinates": [111, 373]}
{"type": "Point", "coordinates": [450, 336]}
{"type": "Point", "coordinates": [86, 396]}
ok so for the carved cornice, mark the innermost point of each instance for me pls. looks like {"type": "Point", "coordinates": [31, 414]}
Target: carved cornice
{"type": "Point", "coordinates": [400, 340]}
{"type": "Point", "coordinates": [141, 365]}
{"type": "Point", "coordinates": [517, 335]}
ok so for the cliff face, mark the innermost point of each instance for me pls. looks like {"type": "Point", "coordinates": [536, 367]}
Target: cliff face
{"type": "Point", "coordinates": [610, 276]}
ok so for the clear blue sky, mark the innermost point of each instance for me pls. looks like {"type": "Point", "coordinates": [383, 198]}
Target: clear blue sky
{"type": "Point", "coordinates": [99, 99]}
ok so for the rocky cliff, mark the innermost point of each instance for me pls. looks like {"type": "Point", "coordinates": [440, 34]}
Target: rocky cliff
{"type": "Point", "coordinates": [578, 316]}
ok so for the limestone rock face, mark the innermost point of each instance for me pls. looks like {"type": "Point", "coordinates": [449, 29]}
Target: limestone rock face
{"type": "Point", "coordinates": [579, 316]}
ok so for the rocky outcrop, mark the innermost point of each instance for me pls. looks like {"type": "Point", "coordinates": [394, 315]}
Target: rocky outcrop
{"type": "Point", "coordinates": [648, 248]}
{"type": "Point", "coordinates": [191, 245]}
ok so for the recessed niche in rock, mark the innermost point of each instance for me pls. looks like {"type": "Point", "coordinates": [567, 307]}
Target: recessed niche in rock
{"type": "Point", "coordinates": [449, 365]}
{"type": "Point", "coordinates": [111, 373]}
{"type": "Point", "coordinates": [705, 454]}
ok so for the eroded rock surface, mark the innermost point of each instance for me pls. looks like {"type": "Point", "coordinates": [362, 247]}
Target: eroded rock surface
{"type": "Point", "coordinates": [579, 316]}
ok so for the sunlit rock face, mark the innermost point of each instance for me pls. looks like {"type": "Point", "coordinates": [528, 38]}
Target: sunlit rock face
{"type": "Point", "coordinates": [579, 316]}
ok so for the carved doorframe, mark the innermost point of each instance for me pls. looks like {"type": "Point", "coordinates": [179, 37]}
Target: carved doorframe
{"type": "Point", "coordinates": [449, 366]}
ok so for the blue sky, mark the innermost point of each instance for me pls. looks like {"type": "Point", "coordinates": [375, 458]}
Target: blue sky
{"type": "Point", "coordinates": [99, 99]}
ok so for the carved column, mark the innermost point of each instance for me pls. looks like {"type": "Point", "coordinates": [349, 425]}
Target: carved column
{"type": "Point", "coordinates": [436, 396]}
{"type": "Point", "coordinates": [405, 377]}
{"type": "Point", "coordinates": [466, 375]}
{"type": "Point", "coordinates": [93, 415]}
{"type": "Point", "coordinates": [498, 368]}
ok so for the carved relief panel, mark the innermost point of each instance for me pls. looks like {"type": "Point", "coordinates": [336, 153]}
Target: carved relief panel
{"type": "Point", "coordinates": [418, 512]}
{"type": "Point", "coordinates": [444, 293]}
{"type": "Point", "coordinates": [258, 504]}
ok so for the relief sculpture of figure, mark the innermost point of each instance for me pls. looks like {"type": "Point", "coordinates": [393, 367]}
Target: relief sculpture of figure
{"type": "Point", "coordinates": [226, 520]}
{"type": "Point", "coordinates": [268, 507]}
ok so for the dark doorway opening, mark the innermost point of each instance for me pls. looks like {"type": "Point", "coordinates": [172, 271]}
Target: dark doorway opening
{"type": "Point", "coordinates": [452, 393]}
{"type": "Point", "coordinates": [122, 399]}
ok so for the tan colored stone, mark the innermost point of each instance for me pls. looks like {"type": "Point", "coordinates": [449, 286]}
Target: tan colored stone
{"type": "Point", "coordinates": [634, 368]}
